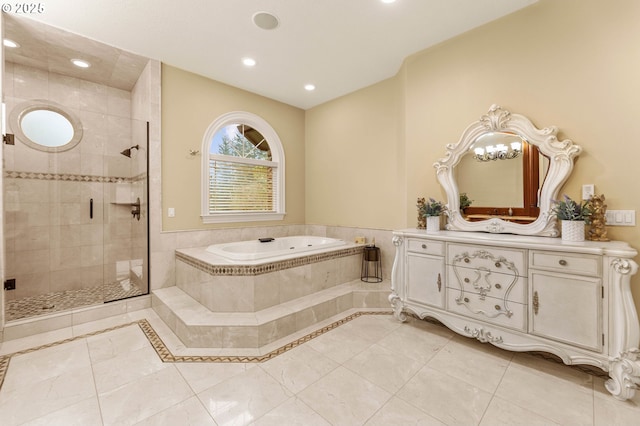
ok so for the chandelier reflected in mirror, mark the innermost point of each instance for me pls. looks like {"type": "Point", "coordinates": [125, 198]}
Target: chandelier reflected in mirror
{"type": "Point", "coordinates": [498, 152]}
{"type": "Point", "coordinates": [497, 146]}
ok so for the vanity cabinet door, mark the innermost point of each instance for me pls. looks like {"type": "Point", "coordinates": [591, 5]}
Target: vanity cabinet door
{"type": "Point", "coordinates": [425, 280]}
{"type": "Point", "coordinates": [567, 308]}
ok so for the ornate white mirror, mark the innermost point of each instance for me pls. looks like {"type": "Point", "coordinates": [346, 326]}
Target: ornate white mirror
{"type": "Point", "coordinates": [510, 169]}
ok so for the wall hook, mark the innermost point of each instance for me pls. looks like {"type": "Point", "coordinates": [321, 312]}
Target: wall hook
{"type": "Point", "coordinates": [193, 152]}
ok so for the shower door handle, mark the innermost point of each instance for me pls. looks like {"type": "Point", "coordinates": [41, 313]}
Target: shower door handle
{"type": "Point", "coordinates": [91, 208]}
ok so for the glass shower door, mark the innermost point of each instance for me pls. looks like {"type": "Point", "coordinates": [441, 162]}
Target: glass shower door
{"type": "Point", "coordinates": [126, 224]}
{"type": "Point", "coordinates": [54, 235]}
{"type": "Point", "coordinates": [76, 229]}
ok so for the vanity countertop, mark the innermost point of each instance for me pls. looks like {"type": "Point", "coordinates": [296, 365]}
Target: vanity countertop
{"type": "Point", "coordinates": [609, 248]}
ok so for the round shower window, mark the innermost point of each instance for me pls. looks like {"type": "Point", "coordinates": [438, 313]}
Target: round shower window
{"type": "Point", "coordinates": [45, 126]}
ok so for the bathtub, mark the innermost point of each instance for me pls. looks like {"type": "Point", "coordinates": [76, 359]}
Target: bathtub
{"type": "Point", "coordinates": [273, 248]}
{"type": "Point", "coordinates": [250, 276]}
{"type": "Point", "coordinates": [251, 294]}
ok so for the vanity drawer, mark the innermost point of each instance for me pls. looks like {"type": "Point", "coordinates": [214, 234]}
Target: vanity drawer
{"type": "Point", "coordinates": [502, 286]}
{"type": "Point", "coordinates": [498, 260]}
{"type": "Point", "coordinates": [571, 263]}
{"type": "Point", "coordinates": [489, 309]}
{"type": "Point", "coordinates": [426, 246]}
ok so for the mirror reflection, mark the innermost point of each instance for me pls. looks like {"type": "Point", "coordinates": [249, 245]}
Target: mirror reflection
{"type": "Point", "coordinates": [491, 173]}
{"type": "Point", "coordinates": [502, 174]}
{"type": "Point", "coordinates": [497, 146]}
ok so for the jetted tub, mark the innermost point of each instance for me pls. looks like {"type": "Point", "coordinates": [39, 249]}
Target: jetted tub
{"type": "Point", "coordinates": [275, 248]}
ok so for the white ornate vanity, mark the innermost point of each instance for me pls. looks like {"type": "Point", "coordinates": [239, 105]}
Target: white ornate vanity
{"type": "Point", "coordinates": [516, 286]}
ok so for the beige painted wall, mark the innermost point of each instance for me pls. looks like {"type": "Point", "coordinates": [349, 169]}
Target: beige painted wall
{"type": "Point", "coordinates": [354, 159]}
{"type": "Point", "coordinates": [363, 159]}
{"type": "Point", "coordinates": [571, 63]}
{"type": "Point", "coordinates": [190, 103]}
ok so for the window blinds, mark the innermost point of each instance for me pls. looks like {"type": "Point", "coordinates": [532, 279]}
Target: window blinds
{"type": "Point", "coordinates": [241, 184]}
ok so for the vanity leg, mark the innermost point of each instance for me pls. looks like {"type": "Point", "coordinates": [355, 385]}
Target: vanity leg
{"type": "Point", "coordinates": [397, 278]}
{"type": "Point", "coordinates": [625, 375]}
{"type": "Point", "coordinates": [396, 303]}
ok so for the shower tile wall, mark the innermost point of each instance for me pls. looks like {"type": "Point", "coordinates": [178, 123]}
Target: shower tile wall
{"type": "Point", "coordinates": [145, 107]}
{"type": "Point", "coordinates": [51, 242]}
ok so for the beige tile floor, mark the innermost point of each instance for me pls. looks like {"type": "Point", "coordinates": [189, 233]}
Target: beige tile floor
{"type": "Point", "coordinates": [371, 370]}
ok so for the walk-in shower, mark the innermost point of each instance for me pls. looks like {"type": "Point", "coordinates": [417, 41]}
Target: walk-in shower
{"type": "Point", "coordinates": [75, 209]}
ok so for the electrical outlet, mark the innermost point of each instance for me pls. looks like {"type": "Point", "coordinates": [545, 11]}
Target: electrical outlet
{"type": "Point", "coordinates": [588, 191]}
{"type": "Point", "coordinates": [10, 284]}
{"type": "Point", "coordinates": [171, 212]}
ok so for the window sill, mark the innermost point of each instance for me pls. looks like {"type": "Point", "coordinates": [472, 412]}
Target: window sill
{"type": "Point", "coordinates": [241, 217]}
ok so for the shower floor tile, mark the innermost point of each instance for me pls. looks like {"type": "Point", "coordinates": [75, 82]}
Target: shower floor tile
{"type": "Point", "coordinates": [32, 306]}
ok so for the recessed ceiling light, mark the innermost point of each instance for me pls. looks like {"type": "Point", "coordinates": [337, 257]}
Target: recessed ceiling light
{"type": "Point", "coordinates": [80, 63]}
{"type": "Point", "coordinates": [309, 87]}
{"type": "Point", "coordinates": [388, 1]}
{"type": "Point", "coordinates": [10, 43]}
{"type": "Point", "coordinates": [265, 20]}
{"type": "Point", "coordinates": [249, 62]}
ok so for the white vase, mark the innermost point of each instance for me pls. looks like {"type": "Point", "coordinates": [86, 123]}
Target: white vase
{"type": "Point", "coordinates": [572, 230]}
{"type": "Point", "coordinates": [433, 223]}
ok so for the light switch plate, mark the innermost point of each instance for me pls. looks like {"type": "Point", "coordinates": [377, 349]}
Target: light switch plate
{"type": "Point", "coordinates": [171, 212]}
{"type": "Point", "coordinates": [588, 191]}
{"type": "Point", "coordinates": [621, 217]}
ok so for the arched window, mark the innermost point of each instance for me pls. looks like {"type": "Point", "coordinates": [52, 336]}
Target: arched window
{"type": "Point", "coordinates": [242, 170]}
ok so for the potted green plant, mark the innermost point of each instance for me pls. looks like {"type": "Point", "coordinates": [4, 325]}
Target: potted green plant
{"type": "Point", "coordinates": [465, 201]}
{"type": "Point", "coordinates": [432, 211]}
{"type": "Point", "coordinates": [572, 216]}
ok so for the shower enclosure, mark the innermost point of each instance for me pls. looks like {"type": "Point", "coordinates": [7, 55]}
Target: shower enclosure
{"type": "Point", "coordinates": [75, 178]}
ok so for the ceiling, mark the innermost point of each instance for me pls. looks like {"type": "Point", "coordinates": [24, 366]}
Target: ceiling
{"type": "Point", "coordinates": [51, 49]}
{"type": "Point", "coordinates": [338, 45]}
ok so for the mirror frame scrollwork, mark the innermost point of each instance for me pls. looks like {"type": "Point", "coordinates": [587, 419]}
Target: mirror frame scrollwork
{"type": "Point", "coordinates": [560, 153]}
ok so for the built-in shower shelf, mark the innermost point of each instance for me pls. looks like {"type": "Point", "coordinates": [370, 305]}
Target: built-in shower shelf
{"type": "Point", "coordinates": [135, 207]}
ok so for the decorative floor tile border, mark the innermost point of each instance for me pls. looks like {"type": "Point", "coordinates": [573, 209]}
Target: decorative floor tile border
{"type": "Point", "coordinates": [5, 359]}
{"type": "Point", "coordinates": [166, 356]}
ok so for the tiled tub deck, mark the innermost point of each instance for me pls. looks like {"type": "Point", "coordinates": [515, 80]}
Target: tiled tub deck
{"type": "Point", "coordinates": [218, 304]}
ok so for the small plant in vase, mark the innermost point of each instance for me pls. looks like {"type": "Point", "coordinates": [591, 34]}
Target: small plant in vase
{"type": "Point", "coordinates": [572, 216]}
{"type": "Point", "coordinates": [432, 211]}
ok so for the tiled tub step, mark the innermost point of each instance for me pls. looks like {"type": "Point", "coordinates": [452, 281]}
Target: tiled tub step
{"type": "Point", "coordinates": [198, 327]}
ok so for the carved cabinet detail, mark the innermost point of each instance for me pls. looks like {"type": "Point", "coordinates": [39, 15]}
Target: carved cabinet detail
{"type": "Point", "coordinates": [524, 293]}
{"type": "Point", "coordinates": [487, 284]}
